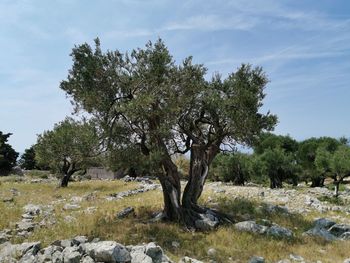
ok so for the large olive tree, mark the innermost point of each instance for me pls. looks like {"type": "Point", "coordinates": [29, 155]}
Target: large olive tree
{"type": "Point", "coordinates": [144, 98]}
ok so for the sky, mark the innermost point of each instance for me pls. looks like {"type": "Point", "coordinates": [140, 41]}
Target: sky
{"type": "Point", "coordinates": [302, 45]}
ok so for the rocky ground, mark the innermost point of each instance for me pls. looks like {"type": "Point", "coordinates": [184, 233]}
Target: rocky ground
{"type": "Point", "coordinates": [329, 223]}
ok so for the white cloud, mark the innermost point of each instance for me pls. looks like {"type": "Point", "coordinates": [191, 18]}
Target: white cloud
{"type": "Point", "coordinates": [211, 23]}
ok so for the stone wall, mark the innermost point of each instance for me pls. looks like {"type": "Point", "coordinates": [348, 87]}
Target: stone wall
{"type": "Point", "coordinates": [102, 173]}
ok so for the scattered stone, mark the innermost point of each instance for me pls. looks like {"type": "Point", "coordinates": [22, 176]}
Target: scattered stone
{"type": "Point", "coordinates": [25, 226]}
{"type": "Point", "coordinates": [279, 232]}
{"type": "Point", "coordinates": [125, 212]}
{"type": "Point", "coordinates": [70, 219]}
{"type": "Point", "coordinates": [71, 255]}
{"type": "Point", "coordinates": [175, 244]}
{"type": "Point", "coordinates": [323, 223]}
{"type": "Point", "coordinates": [339, 229]}
{"type": "Point", "coordinates": [76, 199]}
{"type": "Point", "coordinates": [251, 226]}
{"type": "Point", "coordinates": [211, 252]}
{"type": "Point", "coordinates": [138, 254]}
{"type": "Point", "coordinates": [87, 259]}
{"type": "Point", "coordinates": [8, 199]}
{"type": "Point", "coordinates": [71, 207]}
{"type": "Point", "coordinates": [80, 240]}
{"type": "Point", "coordinates": [155, 252]}
{"type": "Point", "coordinates": [107, 251]}
{"type": "Point", "coordinates": [189, 260]}
{"type": "Point", "coordinates": [143, 188]}
{"type": "Point", "coordinates": [345, 236]}
{"type": "Point", "coordinates": [320, 232]}
{"type": "Point", "coordinates": [90, 210]}
{"type": "Point", "coordinates": [296, 258]}
{"type": "Point", "coordinates": [256, 259]}
{"type": "Point", "coordinates": [32, 209]}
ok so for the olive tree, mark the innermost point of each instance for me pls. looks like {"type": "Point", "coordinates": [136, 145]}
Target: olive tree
{"type": "Point", "coordinates": [336, 165]}
{"type": "Point", "coordinates": [70, 147]}
{"type": "Point", "coordinates": [144, 99]}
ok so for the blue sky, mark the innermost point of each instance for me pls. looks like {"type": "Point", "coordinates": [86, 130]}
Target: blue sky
{"type": "Point", "coordinates": [303, 45]}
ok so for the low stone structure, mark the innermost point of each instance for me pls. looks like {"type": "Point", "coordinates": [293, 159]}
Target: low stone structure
{"type": "Point", "coordinates": [98, 173]}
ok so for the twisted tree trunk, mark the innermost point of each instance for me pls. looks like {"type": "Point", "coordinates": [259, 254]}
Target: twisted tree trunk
{"type": "Point", "coordinates": [68, 170]}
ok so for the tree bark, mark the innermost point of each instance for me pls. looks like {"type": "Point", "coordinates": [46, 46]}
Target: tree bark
{"type": "Point", "coordinates": [336, 188]}
{"type": "Point", "coordinates": [170, 182]}
{"type": "Point", "coordinates": [68, 170]}
{"type": "Point", "coordinates": [317, 181]}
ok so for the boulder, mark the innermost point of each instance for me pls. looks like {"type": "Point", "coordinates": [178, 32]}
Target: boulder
{"type": "Point", "coordinates": [189, 260]}
{"type": "Point", "coordinates": [296, 258]}
{"type": "Point", "coordinates": [71, 255]}
{"type": "Point", "coordinates": [87, 259]}
{"type": "Point", "coordinates": [339, 229]}
{"type": "Point", "coordinates": [320, 232]}
{"type": "Point", "coordinates": [107, 251]}
{"type": "Point", "coordinates": [345, 236]}
{"type": "Point", "coordinates": [25, 226]}
{"type": "Point", "coordinates": [155, 252]}
{"type": "Point", "coordinates": [256, 259]}
{"type": "Point", "coordinates": [251, 226]}
{"type": "Point", "coordinates": [323, 223]}
{"type": "Point", "coordinates": [206, 224]}
{"type": "Point", "coordinates": [138, 255]}
{"type": "Point", "coordinates": [31, 209]}
{"type": "Point", "coordinates": [125, 212]}
{"type": "Point", "coordinates": [279, 232]}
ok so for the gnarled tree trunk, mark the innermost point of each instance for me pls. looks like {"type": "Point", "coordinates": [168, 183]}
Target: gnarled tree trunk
{"type": "Point", "coordinates": [68, 170]}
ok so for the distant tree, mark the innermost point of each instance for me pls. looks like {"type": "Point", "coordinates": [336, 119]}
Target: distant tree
{"type": "Point", "coordinates": [70, 147]}
{"type": "Point", "coordinates": [306, 156]}
{"type": "Point", "coordinates": [8, 155]}
{"type": "Point", "coordinates": [27, 160]}
{"type": "Point", "coordinates": [235, 168]}
{"type": "Point", "coordinates": [335, 165]}
{"type": "Point", "coordinates": [144, 99]}
{"type": "Point", "coordinates": [273, 141]}
{"type": "Point", "coordinates": [279, 166]}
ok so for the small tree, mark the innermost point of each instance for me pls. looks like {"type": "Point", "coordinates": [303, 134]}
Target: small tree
{"type": "Point", "coordinates": [306, 156]}
{"type": "Point", "coordinates": [27, 160]}
{"type": "Point", "coordinates": [236, 168]}
{"type": "Point", "coordinates": [279, 166]}
{"type": "Point", "coordinates": [336, 165]}
{"type": "Point", "coordinates": [8, 155]}
{"type": "Point", "coordinates": [71, 146]}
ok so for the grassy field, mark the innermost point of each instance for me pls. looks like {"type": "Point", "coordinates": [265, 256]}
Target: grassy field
{"type": "Point", "coordinates": [231, 245]}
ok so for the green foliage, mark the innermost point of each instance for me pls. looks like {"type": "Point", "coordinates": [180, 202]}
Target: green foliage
{"type": "Point", "coordinates": [27, 160]}
{"type": "Point", "coordinates": [69, 143]}
{"type": "Point", "coordinates": [279, 166]}
{"type": "Point", "coordinates": [8, 155]}
{"type": "Point", "coordinates": [143, 98]}
{"type": "Point", "coordinates": [272, 141]}
{"type": "Point", "coordinates": [316, 170]}
{"type": "Point", "coordinates": [340, 162]}
{"type": "Point", "coordinates": [236, 168]}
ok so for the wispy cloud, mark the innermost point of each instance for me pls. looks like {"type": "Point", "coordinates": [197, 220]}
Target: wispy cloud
{"type": "Point", "coordinates": [211, 22]}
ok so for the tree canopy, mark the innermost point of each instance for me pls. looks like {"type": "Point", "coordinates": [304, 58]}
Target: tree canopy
{"type": "Point", "coordinates": [27, 160]}
{"type": "Point", "coordinates": [8, 155]}
{"type": "Point", "coordinates": [71, 146]}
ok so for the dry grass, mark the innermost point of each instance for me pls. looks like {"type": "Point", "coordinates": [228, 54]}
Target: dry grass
{"type": "Point", "coordinates": [230, 244]}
